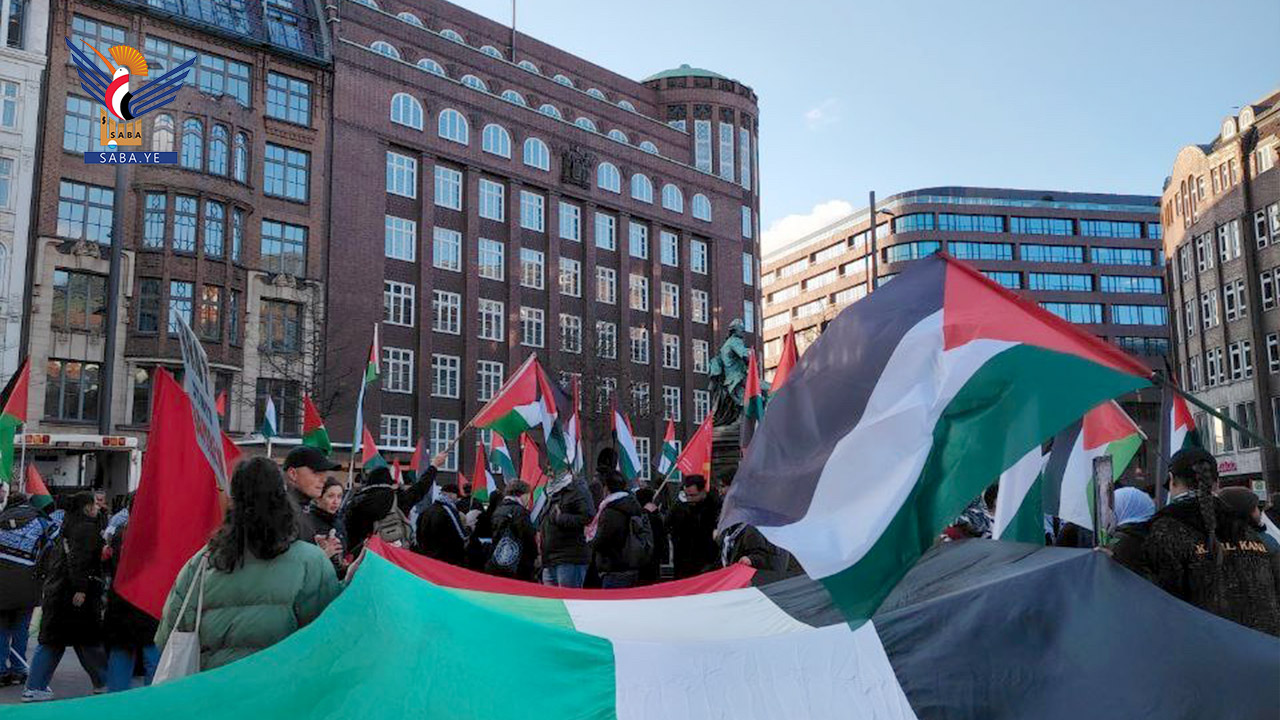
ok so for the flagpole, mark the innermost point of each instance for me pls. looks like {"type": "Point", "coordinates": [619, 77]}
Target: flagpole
{"type": "Point", "coordinates": [22, 461]}
{"type": "Point", "coordinates": [1160, 380]}
{"type": "Point", "coordinates": [355, 440]}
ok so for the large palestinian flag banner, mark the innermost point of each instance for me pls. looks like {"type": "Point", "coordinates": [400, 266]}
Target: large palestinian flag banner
{"type": "Point", "coordinates": [911, 402]}
{"type": "Point", "coordinates": [1104, 431]}
{"type": "Point", "coordinates": [962, 637]}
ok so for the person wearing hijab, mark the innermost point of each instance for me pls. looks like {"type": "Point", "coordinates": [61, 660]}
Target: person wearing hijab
{"type": "Point", "coordinates": [1134, 510]}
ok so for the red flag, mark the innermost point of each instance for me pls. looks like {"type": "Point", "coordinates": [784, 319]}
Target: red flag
{"type": "Point", "coordinates": [415, 462]}
{"type": "Point", "coordinates": [530, 468]}
{"type": "Point", "coordinates": [787, 361]}
{"type": "Point", "coordinates": [696, 458]}
{"type": "Point", "coordinates": [220, 405]}
{"type": "Point", "coordinates": [177, 506]}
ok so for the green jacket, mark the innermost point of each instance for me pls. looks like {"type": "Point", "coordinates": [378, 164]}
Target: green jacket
{"type": "Point", "coordinates": [259, 604]}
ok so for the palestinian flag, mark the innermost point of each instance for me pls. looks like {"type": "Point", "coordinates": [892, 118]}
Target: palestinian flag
{"type": "Point", "coordinates": [270, 423]}
{"type": "Point", "coordinates": [500, 457]}
{"type": "Point", "coordinates": [531, 470]}
{"type": "Point", "coordinates": [1178, 427]}
{"type": "Point", "coordinates": [370, 458]}
{"type": "Point", "coordinates": [372, 370]}
{"type": "Point", "coordinates": [667, 456]}
{"type": "Point", "coordinates": [1020, 502]}
{"type": "Point", "coordinates": [373, 366]}
{"type": "Point", "coordinates": [753, 402]}
{"type": "Point", "coordinates": [464, 485]}
{"type": "Point", "coordinates": [908, 405]}
{"type": "Point", "coordinates": [696, 458]}
{"type": "Point", "coordinates": [485, 484]}
{"type": "Point", "coordinates": [314, 433]}
{"type": "Point", "coordinates": [524, 402]}
{"type": "Point", "coordinates": [750, 653]}
{"type": "Point", "coordinates": [1105, 430]}
{"type": "Point", "coordinates": [13, 415]}
{"type": "Point", "coordinates": [787, 362]}
{"type": "Point", "coordinates": [37, 492]}
{"type": "Point", "coordinates": [573, 433]}
{"type": "Point", "coordinates": [415, 460]}
{"type": "Point", "coordinates": [397, 475]}
{"type": "Point", "coordinates": [628, 458]}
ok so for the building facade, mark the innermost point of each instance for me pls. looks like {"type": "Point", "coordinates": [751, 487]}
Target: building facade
{"type": "Point", "coordinates": [24, 53]}
{"type": "Point", "coordinates": [496, 196]}
{"type": "Point", "coordinates": [1094, 259]}
{"type": "Point", "coordinates": [232, 238]}
{"type": "Point", "coordinates": [1221, 209]}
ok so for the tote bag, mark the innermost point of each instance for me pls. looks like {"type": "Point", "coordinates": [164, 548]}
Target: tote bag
{"type": "Point", "coordinates": [181, 656]}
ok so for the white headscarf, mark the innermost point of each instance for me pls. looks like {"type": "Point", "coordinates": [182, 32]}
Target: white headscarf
{"type": "Point", "coordinates": [1133, 506]}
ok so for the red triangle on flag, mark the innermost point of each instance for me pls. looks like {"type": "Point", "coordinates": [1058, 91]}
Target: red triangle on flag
{"type": "Point", "coordinates": [16, 403]}
{"type": "Point", "coordinates": [220, 405]}
{"type": "Point", "coordinates": [787, 362]}
{"type": "Point", "coordinates": [35, 486]}
{"type": "Point", "coordinates": [415, 462]}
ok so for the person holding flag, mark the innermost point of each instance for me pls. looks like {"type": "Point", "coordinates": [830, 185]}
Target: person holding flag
{"type": "Point", "coordinates": [381, 507]}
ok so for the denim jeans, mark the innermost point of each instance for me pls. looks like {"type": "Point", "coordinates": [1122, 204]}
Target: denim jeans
{"type": "Point", "coordinates": [566, 576]}
{"type": "Point", "coordinates": [121, 662]}
{"type": "Point", "coordinates": [14, 627]}
{"type": "Point", "coordinates": [47, 657]}
{"type": "Point", "coordinates": [616, 580]}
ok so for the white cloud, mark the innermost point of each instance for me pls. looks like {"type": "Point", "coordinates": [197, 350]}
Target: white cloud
{"type": "Point", "coordinates": [793, 227]}
{"type": "Point", "coordinates": [822, 115]}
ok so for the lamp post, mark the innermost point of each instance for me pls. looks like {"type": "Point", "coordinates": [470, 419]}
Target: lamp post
{"type": "Point", "coordinates": [875, 249]}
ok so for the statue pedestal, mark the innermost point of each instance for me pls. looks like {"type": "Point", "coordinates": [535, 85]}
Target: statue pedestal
{"type": "Point", "coordinates": [725, 450]}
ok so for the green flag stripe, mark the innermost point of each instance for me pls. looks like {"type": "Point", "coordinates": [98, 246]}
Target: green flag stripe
{"type": "Point", "coordinates": [1027, 524]}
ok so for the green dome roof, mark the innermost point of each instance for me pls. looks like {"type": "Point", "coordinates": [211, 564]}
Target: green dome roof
{"type": "Point", "coordinates": [685, 70]}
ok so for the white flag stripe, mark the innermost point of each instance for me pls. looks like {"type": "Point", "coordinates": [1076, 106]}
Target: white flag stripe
{"type": "Point", "coordinates": [1014, 485]}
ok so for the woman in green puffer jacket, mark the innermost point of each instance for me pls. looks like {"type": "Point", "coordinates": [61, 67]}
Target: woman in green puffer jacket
{"type": "Point", "coordinates": [262, 583]}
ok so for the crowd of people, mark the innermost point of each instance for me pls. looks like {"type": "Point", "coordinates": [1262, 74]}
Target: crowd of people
{"type": "Point", "coordinates": [291, 534]}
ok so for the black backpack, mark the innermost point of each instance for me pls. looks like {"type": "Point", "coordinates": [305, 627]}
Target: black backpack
{"type": "Point", "coordinates": [637, 552]}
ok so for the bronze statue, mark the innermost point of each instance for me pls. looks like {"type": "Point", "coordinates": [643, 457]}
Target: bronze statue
{"type": "Point", "coordinates": [728, 376]}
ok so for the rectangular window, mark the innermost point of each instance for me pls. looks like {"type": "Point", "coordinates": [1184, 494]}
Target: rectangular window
{"type": "Point", "coordinates": [1130, 284]}
{"type": "Point", "coordinates": [639, 293]}
{"type": "Point", "coordinates": [493, 314]}
{"type": "Point", "coordinates": [443, 433]}
{"type": "Point", "coordinates": [606, 285]}
{"type": "Point", "coordinates": [181, 301]}
{"type": "Point", "coordinates": [234, 335]}
{"type": "Point", "coordinates": [281, 327]}
{"type": "Point", "coordinates": [237, 233]}
{"type": "Point", "coordinates": [448, 188]}
{"type": "Point", "coordinates": [639, 240]}
{"type": "Point", "coordinates": [746, 222]}
{"type": "Point", "coordinates": [606, 232]}
{"type": "Point", "coordinates": [1184, 262]}
{"type": "Point", "coordinates": [400, 240]}
{"type": "Point", "coordinates": [1267, 281]}
{"type": "Point", "coordinates": [1229, 241]}
{"type": "Point", "coordinates": [701, 356]}
{"type": "Point", "coordinates": [670, 249]}
{"type": "Point", "coordinates": [1031, 252]}
{"type": "Point", "coordinates": [702, 145]}
{"type": "Point", "coordinates": [1240, 360]}
{"type": "Point", "coordinates": [701, 306]}
{"type": "Point", "coordinates": [489, 378]}
{"type": "Point", "coordinates": [148, 305]}
{"type": "Point", "coordinates": [670, 351]}
{"type": "Point", "coordinates": [570, 222]}
{"type": "Point", "coordinates": [446, 309]}
{"type": "Point", "coordinates": [1086, 313]}
{"type": "Point", "coordinates": [1063, 282]}
{"type": "Point", "coordinates": [744, 158]}
{"type": "Point", "coordinates": [288, 99]}
{"type": "Point", "coordinates": [446, 249]}
{"type": "Point", "coordinates": [1273, 353]}
{"type": "Point", "coordinates": [726, 151]}
{"type": "Point", "coordinates": [701, 404]}
{"type": "Point", "coordinates": [492, 259]}
{"type": "Point", "coordinates": [605, 390]}
{"type": "Point", "coordinates": [1122, 256]}
{"type": "Point", "coordinates": [398, 302]}
{"type": "Point", "coordinates": [1139, 315]}
{"type": "Point", "coordinates": [209, 319]}
{"type": "Point", "coordinates": [1011, 280]}
{"type": "Point", "coordinates": [185, 221]}
{"type": "Point", "coordinates": [1260, 230]}
{"type": "Point", "coordinates": [671, 403]}
{"type": "Point", "coordinates": [748, 316]}
{"type": "Point", "coordinates": [153, 222]}
{"type": "Point", "coordinates": [71, 390]}
{"type": "Point", "coordinates": [570, 333]}
{"type": "Point", "coordinates": [953, 222]}
{"type": "Point", "coordinates": [570, 277]}
{"type": "Point", "coordinates": [910, 251]}
{"type": "Point", "coordinates": [1204, 252]}
{"type": "Point", "coordinates": [533, 211]}
{"type": "Point", "coordinates": [1196, 382]}
{"type": "Point", "coordinates": [1189, 317]}
{"type": "Point", "coordinates": [402, 175]}
{"type": "Point", "coordinates": [1111, 229]}
{"type": "Point", "coordinates": [640, 399]}
{"type": "Point", "coordinates": [286, 173]}
{"type": "Point", "coordinates": [80, 128]}
{"type": "Point", "coordinates": [396, 431]}
{"type": "Point", "coordinates": [492, 200]}
{"type": "Point", "coordinates": [215, 214]}
{"type": "Point", "coordinates": [1247, 417]}
{"type": "Point", "coordinates": [444, 375]}
{"type": "Point", "coordinates": [1209, 309]}
{"type": "Point", "coordinates": [284, 247]}
{"type": "Point", "coordinates": [670, 300]}
{"type": "Point", "coordinates": [981, 250]}
{"type": "Point", "coordinates": [748, 270]}
{"type": "Point", "coordinates": [532, 327]}
{"type": "Point", "coordinates": [85, 212]}
{"type": "Point", "coordinates": [698, 256]}
{"type": "Point", "coordinates": [1234, 302]}
{"type": "Point", "coordinates": [397, 370]}
{"type": "Point", "coordinates": [531, 268]}
{"type": "Point", "coordinates": [606, 340]}
{"type": "Point", "coordinates": [640, 346]}
{"type": "Point", "coordinates": [1041, 226]}
{"type": "Point", "coordinates": [79, 301]}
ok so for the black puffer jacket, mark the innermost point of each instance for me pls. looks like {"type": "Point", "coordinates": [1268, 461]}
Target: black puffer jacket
{"type": "Point", "coordinates": [308, 525]}
{"type": "Point", "coordinates": [25, 536]}
{"type": "Point", "coordinates": [75, 567]}
{"type": "Point", "coordinates": [512, 517]}
{"type": "Point", "coordinates": [1247, 586]}
{"type": "Point", "coordinates": [373, 502]}
{"type": "Point", "coordinates": [441, 534]}
{"type": "Point", "coordinates": [562, 524]}
{"type": "Point", "coordinates": [612, 532]}
{"type": "Point", "coordinates": [692, 527]}
{"type": "Point", "coordinates": [1127, 546]}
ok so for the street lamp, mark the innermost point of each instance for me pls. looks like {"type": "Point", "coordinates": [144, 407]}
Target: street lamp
{"type": "Point", "coordinates": [875, 250]}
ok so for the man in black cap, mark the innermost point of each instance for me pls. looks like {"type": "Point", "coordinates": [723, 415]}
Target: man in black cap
{"type": "Point", "coordinates": [305, 471]}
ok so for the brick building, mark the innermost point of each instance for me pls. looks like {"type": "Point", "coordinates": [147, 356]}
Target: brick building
{"type": "Point", "coordinates": [495, 196]}
{"type": "Point", "coordinates": [1091, 258]}
{"type": "Point", "coordinates": [1221, 209]}
{"type": "Point", "coordinates": [233, 237]}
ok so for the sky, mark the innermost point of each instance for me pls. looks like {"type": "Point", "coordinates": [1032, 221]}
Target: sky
{"type": "Point", "coordinates": [1084, 95]}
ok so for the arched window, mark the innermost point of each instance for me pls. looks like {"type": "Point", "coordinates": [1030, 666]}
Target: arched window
{"type": "Point", "coordinates": [453, 126]}
{"type": "Point", "coordinates": [492, 51]}
{"type": "Point", "coordinates": [593, 92]}
{"type": "Point", "coordinates": [410, 18]}
{"type": "Point", "coordinates": [219, 149]}
{"type": "Point", "coordinates": [162, 133]}
{"type": "Point", "coordinates": [512, 96]}
{"type": "Point", "coordinates": [192, 144]}
{"type": "Point", "coordinates": [649, 147]}
{"type": "Point", "coordinates": [496, 140]}
{"type": "Point", "coordinates": [406, 110]}
{"type": "Point", "coordinates": [550, 111]}
{"type": "Point", "coordinates": [240, 169]}
{"type": "Point", "coordinates": [536, 154]}
{"type": "Point", "coordinates": [626, 105]}
{"type": "Point", "coordinates": [672, 198]}
{"type": "Point", "coordinates": [563, 80]}
{"type": "Point", "coordinates": [530, 67]}
{"type": "Point", "coordinates": [385, 48]}
{"type": "Point", "coordinates": [474, 83]}
{"type": "Point", "coordinates": [701, 207]}
{"type": "Point", "coordinates": [608, 177]}
{"type": "Point", "coordinates": [642, 188]}
{"type": "Point", "coordinates": [585, 124]}
{"type": "Point", "coordinates": [452, 35]}
{"type": "Point", "coordinates": [432, 67]}
{"type": "Point", "coordinates": [620, 136]}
